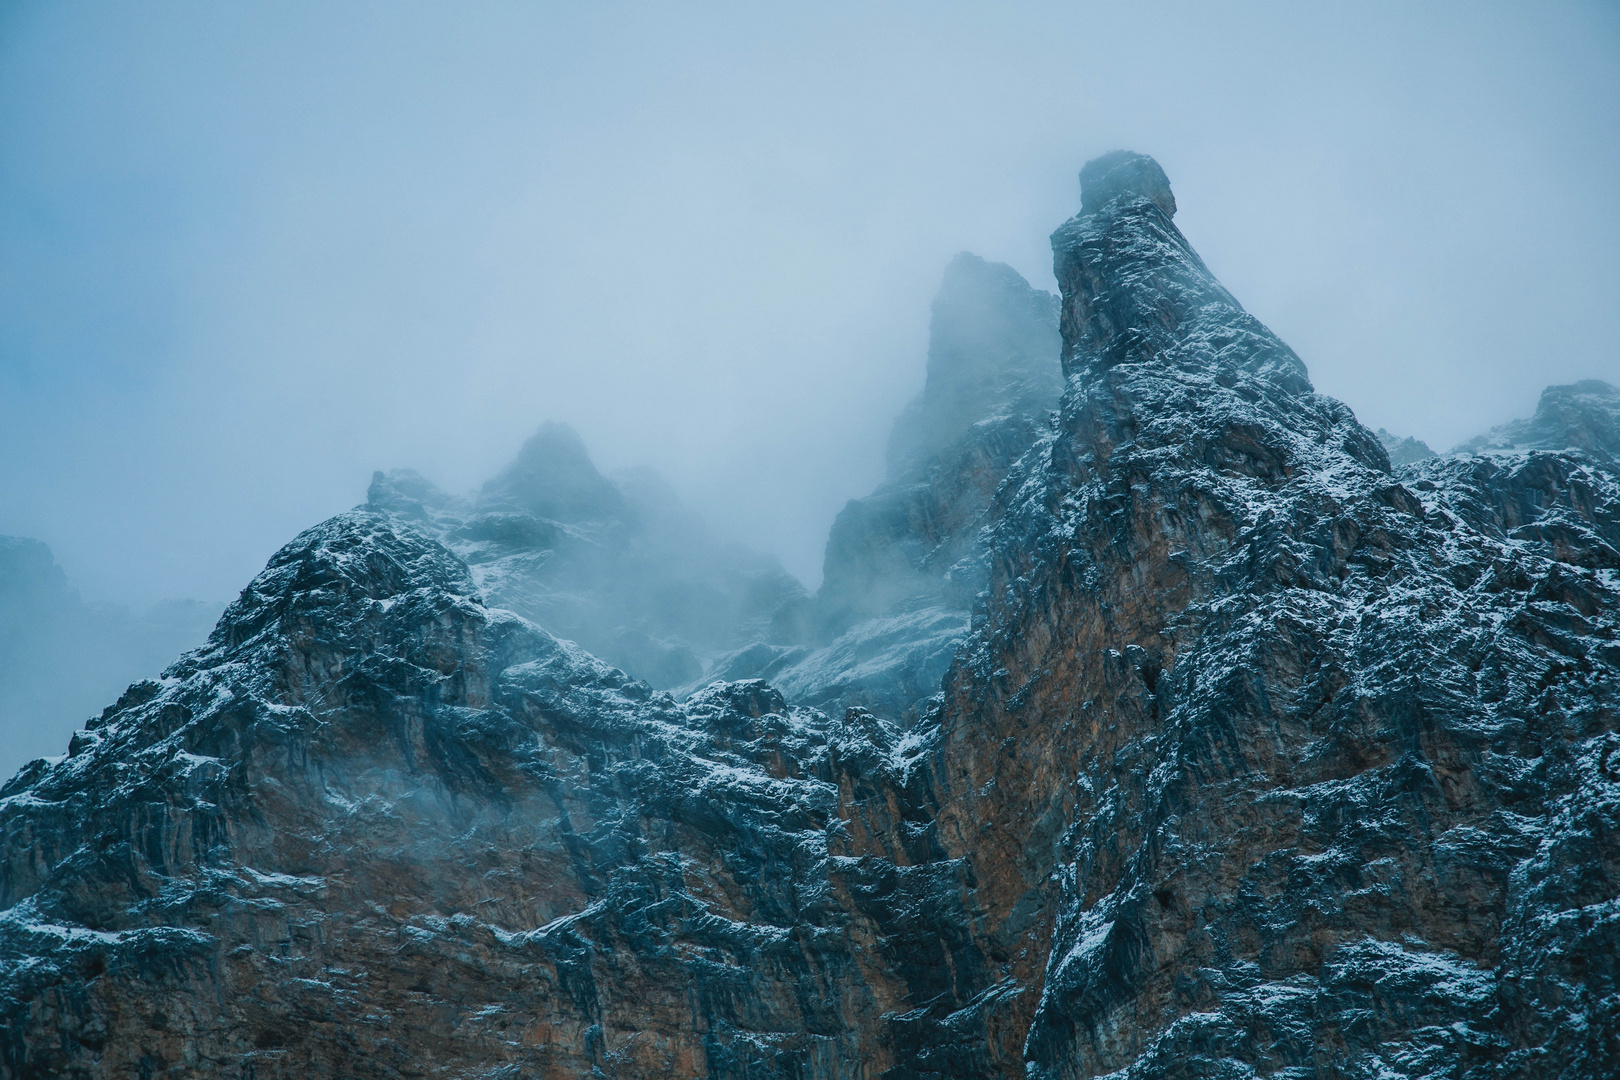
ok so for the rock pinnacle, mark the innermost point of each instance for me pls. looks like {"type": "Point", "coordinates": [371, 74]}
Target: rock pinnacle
{"type": "Point", "coordinates": [1122, 172]}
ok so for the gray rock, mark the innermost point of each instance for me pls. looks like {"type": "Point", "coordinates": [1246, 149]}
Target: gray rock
{"type": "Point", "coordinates": [1582, 416]}
{"type": "Point", "coordinates": [1403, 451]}
{"type": "Point", "coordinates": [1257, 759]}
{"type": "Point", "coordinates": [1122, 173]}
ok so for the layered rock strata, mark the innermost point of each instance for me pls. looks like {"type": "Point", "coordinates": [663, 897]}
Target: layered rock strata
{"type": "Point", "coordinates": [1258, 759]}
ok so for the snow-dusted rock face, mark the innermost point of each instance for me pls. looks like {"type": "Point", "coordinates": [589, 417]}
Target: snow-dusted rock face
{"type": "Point", "coordinates": [376, 829]}
{"type": "Point", "coordinates": [1258, 760]}
{"type": "Point", "coordinates": [1264, 761]}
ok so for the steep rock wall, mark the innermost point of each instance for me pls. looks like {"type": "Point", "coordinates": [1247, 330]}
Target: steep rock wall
{"type": "Point", "coordinates": [1259, 759]}
{"type": "Point", "coordinates": [1267, 761]}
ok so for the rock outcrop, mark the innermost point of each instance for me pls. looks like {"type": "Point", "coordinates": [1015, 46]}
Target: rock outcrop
{"type": "Point", "coordinates": [1257, 759]}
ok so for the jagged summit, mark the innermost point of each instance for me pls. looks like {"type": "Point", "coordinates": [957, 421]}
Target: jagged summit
{"type": "Point", "coordinates": [992, 349]}
{"type": "Point", "coordinates": [1253, 758]}
{"type": "Point", "coordinates": [1134, 288]}
{"type": "Point", "coordinates": [406, 491]}
{"type": "Point", "coordinates": [1580, 416]}
{"type": "Point", "coordinates": [554, 478]}
{"type": "Point", "coordinates": [1123, 173]}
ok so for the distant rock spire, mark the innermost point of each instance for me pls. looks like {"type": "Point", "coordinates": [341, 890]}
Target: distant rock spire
{"type": "Point", "coordinates": [993, 349]}
{"type": "Point", "coordinates": [1404, 450]}
{"type": "Point", "coordinates": [555, 478]}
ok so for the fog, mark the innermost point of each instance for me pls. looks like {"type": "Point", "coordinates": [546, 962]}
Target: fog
{"type": "Point", "coordinates": [247, 256]}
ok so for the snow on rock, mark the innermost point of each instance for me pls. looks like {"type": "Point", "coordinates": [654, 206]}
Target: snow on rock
{"type": "Point", "coordinates": [1253, 755]}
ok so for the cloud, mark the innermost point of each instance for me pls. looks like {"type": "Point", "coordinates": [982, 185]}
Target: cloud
{"type": "Point", "coordinates": [248, 256]}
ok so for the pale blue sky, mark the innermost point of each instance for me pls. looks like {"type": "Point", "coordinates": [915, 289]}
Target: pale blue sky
{"type": "Point", "coordinates": [248, 253]}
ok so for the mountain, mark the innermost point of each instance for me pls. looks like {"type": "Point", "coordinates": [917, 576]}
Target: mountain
{"type": "Point", "coordinates": [618, 566]}
{"type": "Point", "coordinates": [905, 564]}
{"type": "Point", "coordinates": [1257, 758]}
{"type": "Point", "coordinates": [1403, 451]}
{"type": "Point", "coordinates": [1582, 416]}
{"type": "Point", "coordinates": [62, 659]}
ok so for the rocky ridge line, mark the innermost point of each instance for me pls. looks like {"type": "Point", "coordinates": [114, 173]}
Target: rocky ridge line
{"type": "Point", "coordinates": [1259, 759]}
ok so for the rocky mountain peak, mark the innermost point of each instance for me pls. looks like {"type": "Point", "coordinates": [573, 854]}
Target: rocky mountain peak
{"type": "Point", "coordinates": [1123, 173]}
{"type": "Point", "coordinates": [405, 491]}
{"type": "Point", "coordinates": [616, 564]}
{"type": "Point", "coordinates": [1403, 450]}
{"type": "Point", "coordinates": [1252, 758]}
{"type": "Point", "coordinates": [554, 477]}
{"type": "Point", "coordinates": [1134, 290]}
{"type": "Point", "coordinates": [1580, 416]}
{"type": "Point", "coordinates": [992, 349]}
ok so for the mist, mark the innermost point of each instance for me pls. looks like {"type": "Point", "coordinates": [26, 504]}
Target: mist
{"type": "Point", "coordinates": [249, 256]}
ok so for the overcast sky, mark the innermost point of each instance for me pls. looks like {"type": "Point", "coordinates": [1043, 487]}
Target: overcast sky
{"type": "Point", "coordinates": [250, 253]}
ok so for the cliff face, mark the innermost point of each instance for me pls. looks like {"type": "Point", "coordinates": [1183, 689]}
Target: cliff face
{"type": "Point", "coordinates": [1257, 759]}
